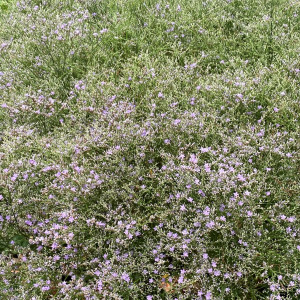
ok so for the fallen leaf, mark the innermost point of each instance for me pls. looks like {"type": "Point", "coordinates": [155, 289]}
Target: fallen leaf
{"type": "Point", "coordinates": [166, 286]}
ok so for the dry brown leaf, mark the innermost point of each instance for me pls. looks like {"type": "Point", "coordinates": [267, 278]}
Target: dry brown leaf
{"type": "Point", "coordinates": [166, 286]}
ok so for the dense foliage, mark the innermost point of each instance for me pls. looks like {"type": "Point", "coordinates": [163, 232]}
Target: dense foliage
{"type": "Point", "coordinates": [149, 149]}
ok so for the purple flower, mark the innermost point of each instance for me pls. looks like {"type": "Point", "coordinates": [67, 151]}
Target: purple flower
{"type": "Point", "coordinates": [103, 30]}
{"type": "Point", "coordinates": [207, 168]}
{"type": "Point", "coordinates": [210, 224]}
{"type": "Point", "coordinates": [241, 178]}
{"type": "Point", "coordinates": [56, 257]}
{"type": "Point", "coordinates": [126, 277]}
{"type": "Point", "coordinates": [273, 287]}
{"type": "Point", "coordinates": [176, 122]}
{"type": "Point", "coordinates": [200, 293]}
{"type": "Point", "coordinates": [14, 177]}
{"type": "Point", "coordinates": [249, 213]}
{"type": "Point", "coordinates": [193, 159]}
{"type": "Point", "coordinates": [200, 192]}
{"type": "Point", "coordinates": [208, 295]}
{"type": "Point", "coordinates": [54, 246]}
{"type": "Point", "coordinates": [206, 211]}
{"type": "Point", "coordinates": [185, 232]}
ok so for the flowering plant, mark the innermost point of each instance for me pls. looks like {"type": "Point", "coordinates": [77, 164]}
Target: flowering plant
{"type": "Point", "coordinates": [149, 150]}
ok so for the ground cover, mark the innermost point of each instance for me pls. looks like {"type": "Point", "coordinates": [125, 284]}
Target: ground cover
{"type": "Point", "coordinates": [149, 149]}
